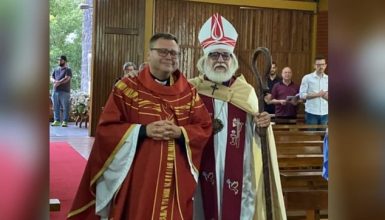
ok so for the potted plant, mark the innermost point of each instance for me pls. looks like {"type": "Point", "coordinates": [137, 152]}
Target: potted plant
{"type": "Point", "coordinates": [79, 103]}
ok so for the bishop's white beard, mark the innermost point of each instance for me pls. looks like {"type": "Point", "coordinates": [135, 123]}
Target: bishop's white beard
{"type": "Point", "coordinates": [218, 77]}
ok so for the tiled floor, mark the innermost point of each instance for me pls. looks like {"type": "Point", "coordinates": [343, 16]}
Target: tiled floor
{"type": "Point", "coordinates": [77, 137]}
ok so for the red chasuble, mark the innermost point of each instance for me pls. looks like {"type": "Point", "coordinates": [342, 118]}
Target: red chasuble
{"type": "Point", "coordinates": [162, 178]}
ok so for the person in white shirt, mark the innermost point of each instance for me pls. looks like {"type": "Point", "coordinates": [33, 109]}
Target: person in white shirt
{"type": "Point", "coordinates": [314, 89]}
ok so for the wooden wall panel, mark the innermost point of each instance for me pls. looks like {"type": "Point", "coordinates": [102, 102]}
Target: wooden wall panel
{"type": "Point", "coordinates": [118, 37]}
{"type": "Point", "coordinates": [322, 33]}
{"type": "Point", "coordinates": [287, 33]}
{"type": "Point", "coordinates": [119, 34]}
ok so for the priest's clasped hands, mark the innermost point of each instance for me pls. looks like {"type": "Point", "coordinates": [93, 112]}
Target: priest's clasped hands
{"type": "Point", "coordinates": [163, 130]}
{"type": "Point", "coordinates": [167, 130]}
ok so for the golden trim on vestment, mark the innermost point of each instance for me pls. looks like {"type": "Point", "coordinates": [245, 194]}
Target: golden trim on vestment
{"type": "Point", "coordinates": [176, 186]}
{"type": "Point", "coordinates": [188, 150]}
{"type": "Point", "coordinates": [132, 81]}
{"type": "Point", "coordinates": [80, 210]}
{"type": "Point", "coordinates": [125, 102]}
{"type": "Point", "coordinates": [184, 118]}
{"type": "Point", "coordinates": [157, 180]}
{"type": "Point", "coordinates": [131, 106]}
{"type": "Point", "coordinates": [200, 106]}
{"type": "Point", "coordinates": [145, 113]}
{"type": "Point", "coordinates": [181, 110]}
{"type": "Point", "coordinates": [180, 98]}
{"type": "Point", "coordinates": [143, 103]}
{"type": "Point", "coordinates": [172, 204]}
{"type": "Point", "coordinates": [112, 156]}
{"type": "Point", "coordinates": [120, 85]}
{"type": "Point", "coordinates": [167, 179]}
{"type": "Point", "coordinates": [130, 93]}
{"type": "Point", "coordinates": [147, 93]}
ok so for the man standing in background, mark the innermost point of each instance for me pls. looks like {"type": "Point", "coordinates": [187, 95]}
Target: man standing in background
{"type": "Point", "coordinates": [314, 89]}
{"type": "Point", "coordinates": [285, 96]}
{"type": "Point", "coordinates": [61, 78]}
{"type": "Point", "coordinates": [272, 79]}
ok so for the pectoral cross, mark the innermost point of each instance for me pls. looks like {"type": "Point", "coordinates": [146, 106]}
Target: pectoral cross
{"type": "Point", "coordinates": [215, 87]}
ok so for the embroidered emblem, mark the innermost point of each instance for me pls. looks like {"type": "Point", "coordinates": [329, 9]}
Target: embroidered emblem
{"type": "Point", "coordinates": [236, 131]}
{"type": "Point", "coordinates": [209, 177]}
{"type": "Point", "coordinates": [169, 111]}
{"type": "Point", "coordinates": [233, 137]}
{"type": "Point", "coordinates": [233, 186]}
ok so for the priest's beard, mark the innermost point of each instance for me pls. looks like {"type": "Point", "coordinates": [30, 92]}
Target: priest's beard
{"type": "Point", "coordinates": [218, 77]}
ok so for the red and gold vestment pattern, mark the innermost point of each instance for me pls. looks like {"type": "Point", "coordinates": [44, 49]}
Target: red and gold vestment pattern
{"type": "Point", "coordinates": [162, 178]}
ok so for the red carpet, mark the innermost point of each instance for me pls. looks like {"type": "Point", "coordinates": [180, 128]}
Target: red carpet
{"type": "Point", "coordinates": [66, 169]}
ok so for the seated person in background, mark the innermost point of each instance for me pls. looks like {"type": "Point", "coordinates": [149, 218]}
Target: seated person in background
{"type": "Point", "coordinates": [129, 69]}
{"type": "Point", "coordinates": [285, 96]}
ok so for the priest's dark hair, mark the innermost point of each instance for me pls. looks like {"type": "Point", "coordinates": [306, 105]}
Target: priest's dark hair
{"type": "Point", "coordinates": [166, 36]}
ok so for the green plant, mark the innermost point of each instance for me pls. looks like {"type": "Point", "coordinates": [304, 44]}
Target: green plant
{"type": "Point", "coordinates": [66, 36]}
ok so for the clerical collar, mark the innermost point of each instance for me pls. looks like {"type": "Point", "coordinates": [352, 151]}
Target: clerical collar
{"type": "Point", "coordinates": [165, 82]}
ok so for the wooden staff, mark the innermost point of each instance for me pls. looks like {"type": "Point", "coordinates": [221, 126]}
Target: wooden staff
{"type": "Point", "coordinates": [262, 131]}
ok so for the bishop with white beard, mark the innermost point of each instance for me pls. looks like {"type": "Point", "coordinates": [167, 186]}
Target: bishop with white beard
{"type": "Point", "coordinates": [231, 178]}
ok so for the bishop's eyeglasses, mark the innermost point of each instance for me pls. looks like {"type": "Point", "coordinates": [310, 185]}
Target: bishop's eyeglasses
{"type": "Point", "coordinates": [215, 55]}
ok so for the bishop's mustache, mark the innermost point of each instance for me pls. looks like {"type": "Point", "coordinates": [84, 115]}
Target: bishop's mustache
{"type": "Point", "coordinates": [220, 65]}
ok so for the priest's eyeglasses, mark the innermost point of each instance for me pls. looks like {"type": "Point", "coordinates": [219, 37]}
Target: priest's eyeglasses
{"type": "Point", "coordinates": [215, 55]}
{"type": "Point", "coordinates": [163, 52]}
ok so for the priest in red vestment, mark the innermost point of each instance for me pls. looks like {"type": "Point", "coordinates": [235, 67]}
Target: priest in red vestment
{"type": "Point", "coordinates": [231, 178]}
{"type": "Point", "coordinates": [148, 145]}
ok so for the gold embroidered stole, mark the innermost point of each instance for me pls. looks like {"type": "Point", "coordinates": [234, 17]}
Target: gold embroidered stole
{"type": "Point", "coordinates": [240, 93]}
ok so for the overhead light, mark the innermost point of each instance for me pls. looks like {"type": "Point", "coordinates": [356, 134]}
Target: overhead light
{"type": "Point", "coordinates": [84, 6]}
{"type": "Point", "coordinates": [249, 8]}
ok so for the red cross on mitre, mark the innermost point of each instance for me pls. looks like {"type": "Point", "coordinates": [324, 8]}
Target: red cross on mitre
{"type": "Point", "coordinates": [217, 33]}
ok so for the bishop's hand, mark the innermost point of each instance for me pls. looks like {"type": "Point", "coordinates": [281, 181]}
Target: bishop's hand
{"type": "Point", "coordinates": [262, 119]}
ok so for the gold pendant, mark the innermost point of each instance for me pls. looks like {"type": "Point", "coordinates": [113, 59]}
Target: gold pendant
{"type": "Point", "coordinates": [217, 125]}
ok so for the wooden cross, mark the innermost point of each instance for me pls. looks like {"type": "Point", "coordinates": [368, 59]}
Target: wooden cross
{"type": "Point", "coordinates": [215, 87]}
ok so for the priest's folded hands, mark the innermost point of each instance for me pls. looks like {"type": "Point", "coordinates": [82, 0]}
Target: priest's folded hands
{"type": "Point", "coordinates": [163, 130]}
